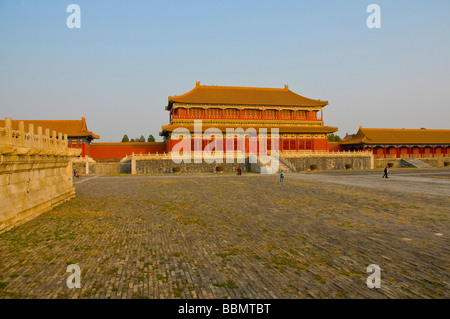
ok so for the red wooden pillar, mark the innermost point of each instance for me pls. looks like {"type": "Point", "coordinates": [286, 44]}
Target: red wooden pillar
{"type": "Point", "coordinates": [384, 151]}
{"type": "Point", "coordinates": [240, 114]}
{"type": "Point", "coordinates": [263, 115]}
{"type": "Point", "coordinates": [433, 151]}
{"type": "Point", "coordinates": [409, 151]}
{"type": "Point", "coordinates": [296, 144]}
{"type": "Point", "coordinates": [278, 114]}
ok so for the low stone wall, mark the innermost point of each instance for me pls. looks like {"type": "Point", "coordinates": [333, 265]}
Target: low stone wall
{"type": "Point", "coordinates": [436, 161]}
{"type": "Point", "coordinates": [103, 168]}
{"type": "Point", "coordinates": [330, 162]}
{"type": "Point", "coordinates": [397, 162]}
{"type": "Point", "coordinates": [109, 168]}
{"type": "Point", "coordinates": [35, 173]}
{"type": "Point", "coordinates": [325, 161]}
{"type": "Point", "coordinates": [152, 166]}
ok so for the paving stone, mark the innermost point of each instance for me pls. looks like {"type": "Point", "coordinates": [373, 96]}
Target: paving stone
{"type": "Point", "coordinates": [228, 236]}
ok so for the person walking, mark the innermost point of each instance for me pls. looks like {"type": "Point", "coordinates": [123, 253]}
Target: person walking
{"type": "Point", "coordinates": [385, 175]}
{"type": "Point", "coordinates": [281, 177]}
{"type": "Point", "coordinates": [239, 171]}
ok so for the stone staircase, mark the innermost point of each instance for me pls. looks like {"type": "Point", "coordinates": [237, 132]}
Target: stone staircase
{"type": "Point", "coordinates": [285, 166]}
{"type": "Point", "coordinates": [265, 168]}
{"type": "Point", "coordinates": [414, 162]}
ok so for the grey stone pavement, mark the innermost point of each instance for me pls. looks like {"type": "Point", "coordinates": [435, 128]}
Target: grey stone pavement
{"type": "Point", "coordinates": [228, 236]}
{"type": "Point", "coordinates": [432, 182]}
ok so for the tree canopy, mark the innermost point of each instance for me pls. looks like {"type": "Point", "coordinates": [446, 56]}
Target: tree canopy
{"type": "Point", "coordinates": [150, 138]}
{"type": "Point", "coordinates": [333, 138]}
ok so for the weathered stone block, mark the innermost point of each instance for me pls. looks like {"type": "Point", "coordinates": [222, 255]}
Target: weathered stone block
{"type": "Point", "coordinates": [31, 187]}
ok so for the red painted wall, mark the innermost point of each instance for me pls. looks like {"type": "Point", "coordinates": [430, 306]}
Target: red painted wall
{"type": "Point", "coordinates": [335, 147]}
{"type": "Point", "coordinates": [120, 150]}
{"type": "Point", "coordinates": [284, 144]}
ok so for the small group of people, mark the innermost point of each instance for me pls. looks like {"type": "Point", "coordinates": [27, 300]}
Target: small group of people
{"type": "Point", "coordinates": [76, 173]}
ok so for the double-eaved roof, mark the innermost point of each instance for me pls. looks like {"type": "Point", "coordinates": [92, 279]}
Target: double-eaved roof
{"type": "Point", "coordinates": [230, 95]}
{"type": "Point", "coordinates": [73, 128]}
{"type": "Point", "coordinates": [379, 136]}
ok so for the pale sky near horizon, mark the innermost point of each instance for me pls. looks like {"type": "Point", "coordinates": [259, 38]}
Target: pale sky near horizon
{"type": "Point", "coordinates": [119, 68]}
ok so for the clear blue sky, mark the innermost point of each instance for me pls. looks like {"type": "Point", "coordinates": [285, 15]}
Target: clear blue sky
{"type": "Point", "coordinates": [129, 56]}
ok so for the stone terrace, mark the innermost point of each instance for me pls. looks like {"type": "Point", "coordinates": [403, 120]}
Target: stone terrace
{"type": "Point", "coordinates": [228, 236]}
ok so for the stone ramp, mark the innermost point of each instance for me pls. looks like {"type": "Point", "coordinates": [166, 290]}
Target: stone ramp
{"type": "Point", "coordinates": [414, 162]}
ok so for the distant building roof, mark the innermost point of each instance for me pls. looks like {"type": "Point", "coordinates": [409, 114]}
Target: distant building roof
{"type": "Point", "coordinates": [348, 136]}
{"type": "Point", "coordinates": [399, 136]}
{"type": "Point", "coordinates": [203, 94]}
{"type": "Point", "coordinates": [73, 128]}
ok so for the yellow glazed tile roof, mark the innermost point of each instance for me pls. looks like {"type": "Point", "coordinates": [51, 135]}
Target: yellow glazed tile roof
{"type": "Point", "coordinates": [203, 94]}
{"type": "Point", "coordinates": [399, 136]}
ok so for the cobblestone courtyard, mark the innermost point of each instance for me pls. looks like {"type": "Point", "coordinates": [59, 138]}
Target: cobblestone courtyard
{"type": "Point", "coordinates": [228, 236]}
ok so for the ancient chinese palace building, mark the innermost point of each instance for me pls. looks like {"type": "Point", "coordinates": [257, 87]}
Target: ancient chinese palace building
{"type": "Point", "coordinates": [299, 119]}
{"type": "Point", "coordinates": [400, 143]}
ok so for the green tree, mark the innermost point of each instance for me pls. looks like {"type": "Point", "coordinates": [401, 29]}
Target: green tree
{"type": "Point", "coordinates": [333, 138]}
{"type": "Point", "coordinates": [132, 140]}
{"type": "Point", "coordinates": [150, 138]}
{"type": "Point", "coordinates": [125, 138]}
{"type": "Point", "coordinates": [142, 138]}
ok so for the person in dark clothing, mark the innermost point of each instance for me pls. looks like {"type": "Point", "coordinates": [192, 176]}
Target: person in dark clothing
{"type": "Point", "coordinates": [385, 172]}
{"type": "Point", "coordinates": [239, 171]}
{"type": "Point", "coordinates": [281, 177]}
